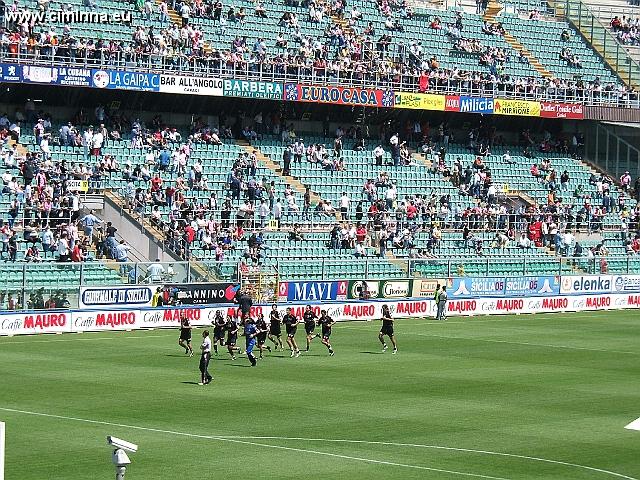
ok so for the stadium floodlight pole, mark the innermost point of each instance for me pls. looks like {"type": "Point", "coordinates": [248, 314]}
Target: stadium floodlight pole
{"type": "Point", "coordinates": [119, 457]}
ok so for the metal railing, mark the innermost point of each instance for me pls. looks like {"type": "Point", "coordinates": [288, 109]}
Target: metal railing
{"type": "Point", "coordinates": [540, 90]}
{"type": "Point", "coordinates": [23, 287]}
{"type": "Point", "coordinates": [601, 38]}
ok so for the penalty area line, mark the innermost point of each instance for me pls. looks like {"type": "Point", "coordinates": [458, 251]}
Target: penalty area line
{"type": "Point", "coordinates": [239, 440]}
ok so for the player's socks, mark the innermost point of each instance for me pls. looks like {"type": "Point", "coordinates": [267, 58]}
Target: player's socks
{"type": "Point", "coordinates": [384, 347]}
{"type": "Point", "coordinates": [297, 353]}
{"type": "Point", "coordinates": [395, 350]}
{"type": "Point", "coordinates": [269, 348]}
{"type": "Point", "coordinates": [215, 349]}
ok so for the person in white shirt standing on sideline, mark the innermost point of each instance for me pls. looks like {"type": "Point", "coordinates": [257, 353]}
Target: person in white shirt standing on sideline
{"type": "Point", "coordinates": [205, 377]}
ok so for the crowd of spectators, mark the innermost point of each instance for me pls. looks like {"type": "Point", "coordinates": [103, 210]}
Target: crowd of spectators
{"type": "Point", "coordinates": [229, 217]}
{"type": "Point", "coordinates": [353, 52]}
{"type": "Point", "coordinates": [626, 29]}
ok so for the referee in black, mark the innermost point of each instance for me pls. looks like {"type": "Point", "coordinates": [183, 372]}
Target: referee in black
{"type": "Point", "coordinates": [205, 377]}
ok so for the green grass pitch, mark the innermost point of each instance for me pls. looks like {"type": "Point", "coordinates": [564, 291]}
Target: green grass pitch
{"type": "Point", "coordinates": [554, 391]}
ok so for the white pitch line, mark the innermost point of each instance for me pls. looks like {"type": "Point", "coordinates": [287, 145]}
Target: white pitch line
{"type": "Point", "coordinates": [635, 425]}
{"type": "Point", "coordinates": [243, 440]}
{"type": "Point", "coordinates": [239, 440]}
{"type": "Point", "coordinates": [440, 447]}
{"type": "Point", "coordinates": [95, 339]}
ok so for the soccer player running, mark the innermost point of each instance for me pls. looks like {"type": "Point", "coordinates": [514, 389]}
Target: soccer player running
{"type": "Point", "coordinates": [232, 336]}
{"type": "Point", "coordinates": [310, 319]}
{"type": "Point", "coordinates": [263, 330]}
{"type": "Point", "coordinates": [185, 335]}
{"type": "Point", "coordinates": [291, 323]}
{"type": "Point", "coordinates": [326, 322]}
{"type": "Point", "coordinates": [218, 330]}
{"type": "Point", "coordinates": [275, 328]}
{"type": "Point", "coordinates": [387, 329]}
{"type": "Point", "coordinates": [442, 304]}
{"type": "Point", "coordinates": [250, 333]}
{"type": "Point", "coordinates": [205, 377]}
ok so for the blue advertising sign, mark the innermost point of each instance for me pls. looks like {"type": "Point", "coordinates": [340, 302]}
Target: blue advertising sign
{"type": "Point", "coordinates": [66, 76]}
{"type": "Point", "coordinates": [626, 283]}
{"type": "Point", "coordinates": [122, 80]}
{"type": "Point", "coordinates": [10, 73]}
{"type": "Point", "coordinates": [125, 296]}
{"type": "Point", "coordinates": [253, 89]}
{"type": "Point", "coordinates": [312, 291]}
{"type": "Point", "coordinates": [476, 104]}
{"type": "Point", "coordinates": [474, 287]}
{"type": "Point", "coordinates": [532, 286]}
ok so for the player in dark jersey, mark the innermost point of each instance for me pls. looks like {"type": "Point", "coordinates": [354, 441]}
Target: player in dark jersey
{"type": "Point", "coordinates": [185, 336]}
{"type": "Point", "coordinates": [326, 322]}
{"type": "Point", "coordinates": [232, 336]}
{"type": "Point", "coordinates": [218, 330]}
{"type": "Point", "coordinates": [250, 332]}
{"type": "Point", "coordinates": [387, 329]}
{"type": "Point", "coordinates": [275, 327]}
{"type": "Point", "coordinates": [291, 323]}
{"type": "Point", "coordinates": [309, 318]}
{"type": "Point", "coordinates": [262, 330]}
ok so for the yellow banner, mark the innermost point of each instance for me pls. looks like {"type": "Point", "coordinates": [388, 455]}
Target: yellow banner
{"type": "Point", "coordinates": [516, 107]}
{"type": "Point", "coordinates": [420, 101]}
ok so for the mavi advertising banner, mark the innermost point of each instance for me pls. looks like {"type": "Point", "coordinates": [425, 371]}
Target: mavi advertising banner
{"type": "Point", "coordinates": [312, 291]}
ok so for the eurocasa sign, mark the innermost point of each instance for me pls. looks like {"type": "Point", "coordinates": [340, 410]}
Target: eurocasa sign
{"type": "Point", "coordinates": [476, 105]}
{"type": "Point", "coordinates": [338, 95]}
{"type": "Point", "coordinates": [570, 111]}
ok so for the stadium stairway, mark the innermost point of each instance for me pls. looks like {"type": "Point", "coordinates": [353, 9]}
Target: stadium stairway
{"type": "Point", "coordinates": [492, 12]}
{"type": "Point", "coordinates": [598, 36]}
{"type": "Point", "coordinates": [173, 15]}
{"type": "Point", "coordinates": [177, 20]}
{"type": "Point", "coordinates": [294, 182]}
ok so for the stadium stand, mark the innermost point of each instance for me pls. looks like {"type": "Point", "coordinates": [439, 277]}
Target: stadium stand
{"type": "Point", "coordinates": [455, 209]}
{"type": "Point", "coordinates": [387, 44]}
